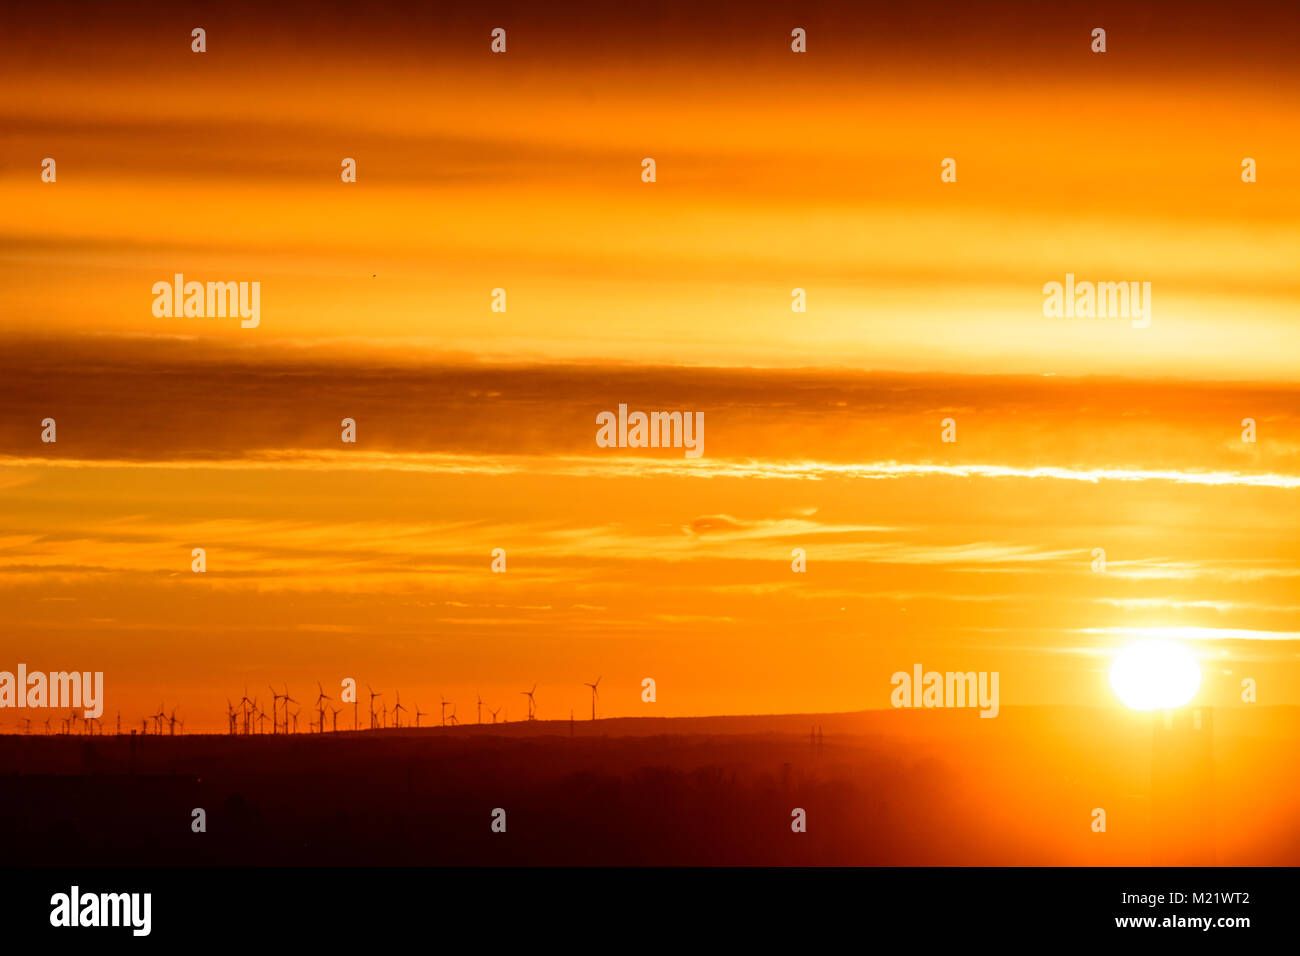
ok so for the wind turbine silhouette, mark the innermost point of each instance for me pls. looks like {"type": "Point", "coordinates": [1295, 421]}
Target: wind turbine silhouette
{"type": "Point", "coordinates": [373, 695]}
{"type": "Point", "coordinates": [275, 707]}
{"type": "Point", "coordinates": [243, 706]}
{"type": "Point", "coordinates": [480, 706]}
{"type": "Point", "coordinates": [294, 715]}
{"type": "Point", "coordinates": [532, 701]}
{"type": "Point", "coordinates": [335, 711]}
{"type": "Point", "coordinates": [454, 721]}
{"type": "Point", "coordinates": [287, 701]}
{"type": "Point", "coordinates": [594, 694]}
{"type": "Point", "coordinates": [444, 709]}
{"type": "Point", "coordinates": [418, 714]}
{"type": "Point", "coordinates": [397, 711]}
{"type": "Point", "coordinates": [320, 707]}
{"type": "Point", "coordinates": [494, 714]}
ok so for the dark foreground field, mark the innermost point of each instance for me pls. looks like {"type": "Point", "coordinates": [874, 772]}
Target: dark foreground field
{"type": "Point", "coordinates": [882, 788]}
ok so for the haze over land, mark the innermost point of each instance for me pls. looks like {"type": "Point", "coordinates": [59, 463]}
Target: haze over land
{"type": "Point", "coordinates": [883, 788]}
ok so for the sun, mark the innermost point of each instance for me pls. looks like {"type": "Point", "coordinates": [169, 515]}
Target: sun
{"type": "Point", "coordinates": [1155, 675]}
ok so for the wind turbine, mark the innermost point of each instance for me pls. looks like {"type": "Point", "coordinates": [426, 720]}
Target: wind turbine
{"type": "Point", "coordinates": [494, 714]}
{"type": "Point", "coordinates": [452, 718]}
{"type": "Point", "coordinates": [159, 717]}
{"type": "Point", "coordinates": [294, 715]}
{"type": "Point", "coordinates": [243, 706]}
{"type": "Point", "coordinates": [444, 709]}
{"type": "Point", "coordinates": [418, 714]}
{"type": "Point", "coordinates": [373, 695]}
{"type": "Point", "coordinates": [320, 706]}
{"type": "Point", "coordinates": [480, 706]}
{"type": "Point", "coordinates": [532, 702]}
{"type": "Point", "coordinates": [287, 701]}
{"type": "Point", "coordinates": [594, 694]}
{"type": "Point", "coordinates": [171, 727]}
{"type": "Point", "coordinates": [335, 712]}
{"type": "Point", "coordinates": [397, 711]}
{"type": "Point", "coordinates": [275, 708]}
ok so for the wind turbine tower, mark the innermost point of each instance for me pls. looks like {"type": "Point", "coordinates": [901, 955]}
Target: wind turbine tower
{"type": "Point", "coordinates": [320, 707]}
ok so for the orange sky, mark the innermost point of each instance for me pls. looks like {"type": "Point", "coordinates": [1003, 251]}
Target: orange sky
{"type": "Point", "coordinates": [477, 428]}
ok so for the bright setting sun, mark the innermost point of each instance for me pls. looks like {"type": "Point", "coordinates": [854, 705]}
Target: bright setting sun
{"type": "Point", "coordinates": [1153, 675]}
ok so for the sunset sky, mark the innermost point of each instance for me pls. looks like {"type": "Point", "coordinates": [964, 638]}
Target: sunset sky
{"type": "Point", "coordinates": [476, 429]}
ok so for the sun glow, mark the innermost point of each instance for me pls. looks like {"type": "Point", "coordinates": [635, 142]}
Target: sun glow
{"type": "Point", "coordinates": [1153, 675]}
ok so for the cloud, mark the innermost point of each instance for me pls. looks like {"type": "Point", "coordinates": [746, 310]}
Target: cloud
{"type": "Point", "coordinates": [155, 401]}
{"type": "Point", "coordinates": [709, 523]}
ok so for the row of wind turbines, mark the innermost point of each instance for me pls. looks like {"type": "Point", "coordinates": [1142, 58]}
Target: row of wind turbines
{"type": "Point", "coordinates": [246, 717]}
{"type": "Point", "coordinates": [163, 724]}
